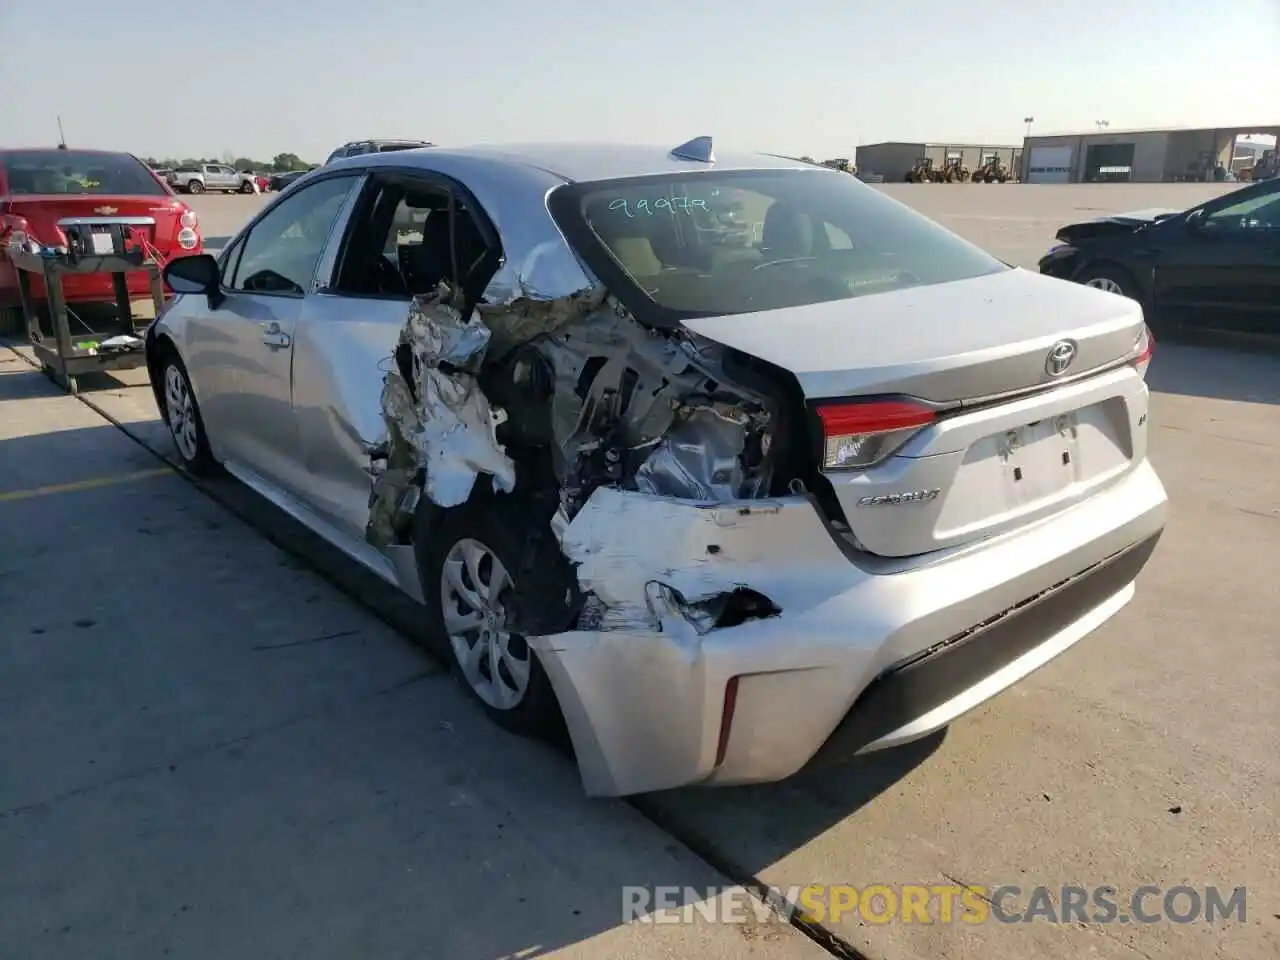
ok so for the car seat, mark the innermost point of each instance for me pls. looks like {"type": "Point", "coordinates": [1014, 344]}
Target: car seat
{"type": "Point", "coordinates": [787, 233]}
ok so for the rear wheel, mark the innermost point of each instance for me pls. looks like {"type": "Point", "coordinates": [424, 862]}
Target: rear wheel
{"type": "Point", "coordinates": [246, 187]}
{"type": "Point", "coordinates": [195, 186]}
{"type": "Point", "coordinates": [468, 569]}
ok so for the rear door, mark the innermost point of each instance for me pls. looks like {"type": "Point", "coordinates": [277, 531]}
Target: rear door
{"type": "Point", "coordinates": [240, 354]}
{"type": "Point", "coordinates": [349, 333]}
{"type": "Point", "coordinates": [1225, 274]}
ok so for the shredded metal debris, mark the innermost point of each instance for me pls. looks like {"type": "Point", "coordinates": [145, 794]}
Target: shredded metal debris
{"type": "Point", "coordinates": [616, 405]}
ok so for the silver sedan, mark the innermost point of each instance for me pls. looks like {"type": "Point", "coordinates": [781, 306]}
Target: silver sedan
{"type": "Point", "coordinates": [728, 464]}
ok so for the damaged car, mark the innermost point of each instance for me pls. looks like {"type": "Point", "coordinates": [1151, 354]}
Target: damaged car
{"type": "Point", "coordinates": [1213, 267]}
{"type": "Point", "coordinates": [728, 464]}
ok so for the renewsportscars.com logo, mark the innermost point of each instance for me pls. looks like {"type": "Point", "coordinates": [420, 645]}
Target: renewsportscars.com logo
{"type": "Point", "coordinates": [935, 904]}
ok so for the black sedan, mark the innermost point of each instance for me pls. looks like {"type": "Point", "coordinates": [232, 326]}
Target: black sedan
{"type": "Point", "coordinates": [1215, 266]}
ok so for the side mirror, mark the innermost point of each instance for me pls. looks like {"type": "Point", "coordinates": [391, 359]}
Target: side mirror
{"type": "Point", "coordinates": [1195, 220]}
{"type": "Point", "coordinates": [198, 274]}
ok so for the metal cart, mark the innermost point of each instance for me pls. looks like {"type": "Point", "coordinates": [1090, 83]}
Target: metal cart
{"type": "Point", "coordinates": [65, 354]}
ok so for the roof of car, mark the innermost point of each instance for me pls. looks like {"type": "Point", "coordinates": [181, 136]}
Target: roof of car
{"type": "Point", "coordinates": [574, 162]}
{"type": "Point", "coordinates": [57, 149]}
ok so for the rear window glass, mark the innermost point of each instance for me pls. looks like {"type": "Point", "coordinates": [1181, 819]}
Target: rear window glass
{"type": "Point", "coordinates": [739, 242]}
{"type": "Point", "coordinates": [76, 172]}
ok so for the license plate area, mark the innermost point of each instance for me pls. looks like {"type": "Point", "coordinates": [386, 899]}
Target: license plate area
{"type": "Point", "coordinates": [1041, 458]}
{"type": "Point", "coordinates": [103, 241]}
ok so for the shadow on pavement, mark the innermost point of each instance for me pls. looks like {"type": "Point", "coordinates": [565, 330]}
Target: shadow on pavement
{"type": "Point", "coordinates": [1199, 367]}
{"type": "Point", "coordinates": [780, 818]}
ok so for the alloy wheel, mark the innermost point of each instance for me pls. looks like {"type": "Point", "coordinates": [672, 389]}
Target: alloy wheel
{"type": "Point", "coordinates": [495, 662]}
{"type": "Point", "coordinates": [1105, 283]}
{"type": "Point", "coordinates": [182, 413]}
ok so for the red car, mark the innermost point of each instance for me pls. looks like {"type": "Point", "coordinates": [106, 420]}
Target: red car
{"type": "Point", "coordinates": [43, 189]}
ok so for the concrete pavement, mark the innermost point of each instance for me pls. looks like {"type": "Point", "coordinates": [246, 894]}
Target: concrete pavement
{"type": "Point", "coordinates": [208, 751]}
{"type": "Point", "coordinates": [1145, 755]}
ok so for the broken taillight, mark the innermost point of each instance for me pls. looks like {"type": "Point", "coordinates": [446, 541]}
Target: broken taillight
{"type": "Point", "coordinates": [1142, 350]}
{"type": "Point", "coordinates": [861, 434]}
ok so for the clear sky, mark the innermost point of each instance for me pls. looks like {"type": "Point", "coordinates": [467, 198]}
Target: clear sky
{"type": "Point", "coordinates": [259, 77]}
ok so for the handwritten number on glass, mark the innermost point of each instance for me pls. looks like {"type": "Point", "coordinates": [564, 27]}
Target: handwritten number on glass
{"type": "Point", "coordinates": [670, 205]}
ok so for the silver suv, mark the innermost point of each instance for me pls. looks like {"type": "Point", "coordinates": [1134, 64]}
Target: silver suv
{"type": "Point", "coordinates": [359, 147]}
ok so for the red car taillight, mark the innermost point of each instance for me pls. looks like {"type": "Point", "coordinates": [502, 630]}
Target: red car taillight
{"type": "Point", "coordinates": [1143, 349]}
{"type": "Point", "coordinates": [860, 434]}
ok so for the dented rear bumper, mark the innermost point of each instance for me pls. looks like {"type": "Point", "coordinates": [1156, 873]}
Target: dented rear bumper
{"type": "Point", "coordinates": [656, 699]}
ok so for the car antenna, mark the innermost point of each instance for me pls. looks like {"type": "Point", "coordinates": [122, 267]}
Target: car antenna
{"type": "Point", "coordinates": [62, 137]}
{"type": "Point", "coordinates": [699, 149]}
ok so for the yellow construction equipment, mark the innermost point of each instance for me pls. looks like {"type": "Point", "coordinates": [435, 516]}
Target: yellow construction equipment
{"type": "Point", "coordinates": [954, 172]}
{"type": "Point", "coordinates": [991, 171]}
{"type": "Point", "coordinates": [922, 172]}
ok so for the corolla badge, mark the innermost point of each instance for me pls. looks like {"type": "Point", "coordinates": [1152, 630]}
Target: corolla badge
{"type": "Point", "coordinates": [1060, 356]}
{"type": "Point", "coordinates": [104, 211]}
{"type": "Point", "coordinates": [894, 499]}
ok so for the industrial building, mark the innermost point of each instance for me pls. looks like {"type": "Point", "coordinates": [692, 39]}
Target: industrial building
{"type": "Point", "coordinates": [1130, 156]}
{"type": "Point", "coordinates": [892, 160]}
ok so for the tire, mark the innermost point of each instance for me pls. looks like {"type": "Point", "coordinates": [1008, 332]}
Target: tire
{"type": "Point", "coordinates": [195, 186]}
{"type": "Point", "coordinates": [458, 555]}
{"type": "Point", "coordinates": [182, 416]}
{"type": "Point", "coordinates": [246, 187]}
{"type": "Point", "coordinates": [1110, 277]}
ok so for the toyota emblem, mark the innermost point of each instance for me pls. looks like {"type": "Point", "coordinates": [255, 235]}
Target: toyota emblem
{"type": "Point", "coordinates": [1060, 356]}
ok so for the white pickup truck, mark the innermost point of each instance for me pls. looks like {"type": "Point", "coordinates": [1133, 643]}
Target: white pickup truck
{"type": "Point", "coordinates": [211, 176]}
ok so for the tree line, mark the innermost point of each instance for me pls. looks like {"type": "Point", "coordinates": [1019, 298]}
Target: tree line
{"type": "Point", "coordinates": [281, 163]}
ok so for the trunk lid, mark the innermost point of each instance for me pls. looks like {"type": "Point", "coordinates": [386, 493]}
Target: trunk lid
{"type": "Point", "coordinates": [157, 217]}
{"type": "Point", "coordinates": [1010, 442]}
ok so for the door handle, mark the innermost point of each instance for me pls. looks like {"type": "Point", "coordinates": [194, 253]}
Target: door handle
{"type": "Point", "coordinates": [272, 336]}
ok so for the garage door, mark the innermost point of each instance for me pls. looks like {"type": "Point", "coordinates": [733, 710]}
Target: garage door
{"type": "Point", "coordinates": [1050, 165]}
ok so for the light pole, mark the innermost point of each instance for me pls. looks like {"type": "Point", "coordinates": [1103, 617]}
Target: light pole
{"type": "Point", "coordinates": [1028, 121]}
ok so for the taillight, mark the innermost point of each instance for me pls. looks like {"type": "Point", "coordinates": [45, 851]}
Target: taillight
{"type": "Point", "coordinates": [189, 220]}
{"type": "Point", "coordinates": [861, 434]}
{"type": "Point", "coordinates": [1142, 349]}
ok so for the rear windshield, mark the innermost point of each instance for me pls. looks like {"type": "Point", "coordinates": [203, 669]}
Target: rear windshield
{"type": "Point", "coordinates": [714, 243]}
{"type": "Point", "coordinates": [77, 172]}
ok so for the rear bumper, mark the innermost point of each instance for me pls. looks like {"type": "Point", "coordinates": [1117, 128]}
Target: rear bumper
{"type": "Point", "coordinates": [865, 653]}
{"type": "Point", "coordinates": [915, 698]}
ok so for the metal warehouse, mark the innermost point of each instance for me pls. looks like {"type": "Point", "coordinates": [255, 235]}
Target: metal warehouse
{"type": "Point", "coordinates": [894, 160]}
{"type": "Point", "coordinates": [1128, 156]}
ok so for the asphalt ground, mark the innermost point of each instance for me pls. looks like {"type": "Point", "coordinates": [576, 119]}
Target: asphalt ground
{"type": "Point", "coordinates": [217, 738]}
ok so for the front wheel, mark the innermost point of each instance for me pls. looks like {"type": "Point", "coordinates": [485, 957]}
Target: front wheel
{"type": "Point", "coordinates": [195, 186]}
{"type": "Point", "coordinates": [182, 413]}
{"type": "Point", "coordinates": [1111, 279]}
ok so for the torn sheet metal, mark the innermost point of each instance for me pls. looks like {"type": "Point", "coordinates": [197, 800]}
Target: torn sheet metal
{"type": "Point", "coordinates": [618, 389]}
{"type": "Point", "coordinates": [529, 315]}
{"type": "Point", "coordinates": [437, 416]}
{"type": "Point", "coordinates": [548, 272]}
{"type": "Point", "coordinates": [642, 696]}
{"type": "Point", "coordinates": [623, 541]}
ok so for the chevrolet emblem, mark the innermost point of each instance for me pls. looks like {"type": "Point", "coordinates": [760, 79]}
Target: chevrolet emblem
{"type": "Point", "coordinates": [105, 211]}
